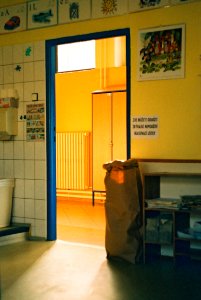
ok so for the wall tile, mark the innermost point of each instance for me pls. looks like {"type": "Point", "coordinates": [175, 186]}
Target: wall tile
{"type": "Point", "coordinates": [8, 168]}
{"type": "Point", "coordinates": [8, 86]}
{"type": "Point", "coordinates": [29, 150]}
{"type": "Point", "coordinates": [29, 188]}
{"type": "Point", "coordinates": [28, 90]}
{"type": "Point", "coordinates": [20, 90]}
{"type": "Point", "coordinates": [8, 74]}
{"type": "Point", "coordinates": [8, 150]}
{"type": "Point", "coordinates": [1, 74]}
{"type": "Point", "coordinates": [21, 111]}
{"type": "Point", "coordinates": [40, 209]}
{"type": "Point", "coordinates": [18, 219]}
{"type": "Point", "coordinates": [19, 168]}
{"type": "Point", "coordinates": [18, 53]}
{"type": "Point", "coordinates": [40, 88]}
{"type": "Point", "coordinates": [39, 50]}
{"type": "Point", "coordinates": [1, 168]}
{"type": "Point", "coordinates": [29, 208]}
{"type": "Point", "coordinates": [19, 188]}
{"type": "Point", "coordinates": [20, 68]}
{"type": "Point", "coordinates": [40, 169]}
{"type": "Point", "coordinates": [40, 189]}
{"type": "Point", "coordinates": [1, 150]}
{"type": "Point", "coordinates": [1, 56]}
{"type": "Point", "coordinates": [28, 71]}
{"type": "Point", "coordinates": [7, 55]}
{"type": "Point", "coordinates": [39, 70]}
{"type": "Point", "coordinates": [40, 150]}
{"type": "Point", "coordinates": [20, 134]}
{"type": "Point", "coordinates": [18, 207]}
{"type": "Point", "coordinates": [18, 150]}
{"type": "Point", "coordinates": [40, 228]}
{"type": "Point", "coordinates": [29, 169]}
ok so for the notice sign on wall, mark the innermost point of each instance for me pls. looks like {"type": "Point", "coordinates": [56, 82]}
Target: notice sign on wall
{"type": "Point", "coordinates": [144, 126]}
{"type": "Point", "coordinates": [35, 121]}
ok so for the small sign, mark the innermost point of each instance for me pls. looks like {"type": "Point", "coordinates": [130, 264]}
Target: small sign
{"type": "Point", "coordinates": [35, 122]}
{"type": "Point", "coordinates": [13, 18]}
{"type": "Point", "coordinates": [145, 126]}
{"type": "Point", "coordinates": [42, 13]}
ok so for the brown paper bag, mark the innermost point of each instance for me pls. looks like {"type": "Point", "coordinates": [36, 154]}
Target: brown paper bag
{"type": "Point", "coordinates": [123, 237]}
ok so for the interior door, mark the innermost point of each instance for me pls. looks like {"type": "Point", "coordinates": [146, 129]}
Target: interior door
{"type": "Point", "coordinates": [119, 135]}
{"type": "Point", "coordinates": [101, 129]}
{"type": "Point", "coordinates": [108, 131]}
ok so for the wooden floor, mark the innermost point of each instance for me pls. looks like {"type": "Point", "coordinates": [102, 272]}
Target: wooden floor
{"type": "Point", "coordinates": [78, 221]}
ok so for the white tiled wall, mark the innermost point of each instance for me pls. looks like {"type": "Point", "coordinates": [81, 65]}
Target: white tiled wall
{"type": "Point", "coordinates": [19, 159]}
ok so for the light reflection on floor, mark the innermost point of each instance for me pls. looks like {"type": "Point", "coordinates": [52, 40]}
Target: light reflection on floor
{"type": "Point", "coordinates": [80, 222]}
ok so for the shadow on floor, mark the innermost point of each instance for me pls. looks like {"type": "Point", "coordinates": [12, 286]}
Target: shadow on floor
{"type": "Point", "coordinates": [58, 270]}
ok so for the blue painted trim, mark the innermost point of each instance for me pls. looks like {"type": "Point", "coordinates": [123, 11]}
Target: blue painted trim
{"type": "Point", "coordinates": [128, 87]}
{"type": "Point", "coordinates": [51, 147]}
{"type": "Point", "coordinates": [51, 119]}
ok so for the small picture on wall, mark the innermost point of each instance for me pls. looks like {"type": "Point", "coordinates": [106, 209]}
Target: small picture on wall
{"type": "Point", "coordinates": [161, 53]}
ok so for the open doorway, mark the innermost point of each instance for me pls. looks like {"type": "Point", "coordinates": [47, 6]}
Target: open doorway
{"type": "Point", "coordinates": [51, 51]}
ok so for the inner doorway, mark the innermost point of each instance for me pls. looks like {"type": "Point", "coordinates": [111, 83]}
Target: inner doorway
{"type": "Point", "coordinates": [51, 47]}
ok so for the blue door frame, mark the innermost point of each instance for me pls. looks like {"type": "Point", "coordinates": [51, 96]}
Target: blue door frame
{"type": "Point", "coordinates": [51, 68]}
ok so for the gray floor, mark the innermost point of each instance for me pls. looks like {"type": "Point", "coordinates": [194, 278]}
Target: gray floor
{"type": "Point", "coordinates": [35, 270]}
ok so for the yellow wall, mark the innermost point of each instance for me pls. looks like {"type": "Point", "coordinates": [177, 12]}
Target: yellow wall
{"type": "Point", "coordinates": [177, 102]}
{"type": "Point", "coordinates": [73, 96]}
{"type": "Point", "coordinates": [73, 100]}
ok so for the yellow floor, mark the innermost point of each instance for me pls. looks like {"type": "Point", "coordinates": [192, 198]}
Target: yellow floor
{"type": "Point", "coordinates": [78, 221]}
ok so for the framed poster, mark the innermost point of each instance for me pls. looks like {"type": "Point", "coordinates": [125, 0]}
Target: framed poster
{"type": "Point", "coordinates": [41, 13]}
{"type": "Point", "coordinates": [13, 18]}
{"type": "Point", "coordinates": [161, 52]}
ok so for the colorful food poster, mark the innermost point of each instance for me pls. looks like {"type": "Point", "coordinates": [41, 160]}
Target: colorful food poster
{"type": "Point", "coordinates": [13, 18]}
{"type": "Point", "coordinates": [161, 52]}
{"type": "Point", "coordinates": [73, 11]}
{"type": "Point", "coordinates": [108, 8]}
{"type": "Point", "coordinates": [35, 122]}
{"type": "Point", "coordinates": [42, 13]}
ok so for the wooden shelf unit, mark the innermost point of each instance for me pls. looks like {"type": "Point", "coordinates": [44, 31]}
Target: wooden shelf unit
{"type": "Point", "coordinates": [159, 242]}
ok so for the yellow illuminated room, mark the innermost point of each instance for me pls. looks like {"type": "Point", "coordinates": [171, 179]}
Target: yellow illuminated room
{"type": "Point", "coordinates": [82, 107]}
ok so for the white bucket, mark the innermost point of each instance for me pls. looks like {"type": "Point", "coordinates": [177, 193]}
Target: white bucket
{"type": "Point", "coordinates": [6, 193]}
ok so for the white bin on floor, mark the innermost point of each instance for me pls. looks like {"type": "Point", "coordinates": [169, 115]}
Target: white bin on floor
{"type": "Point", "coordinates": [6, 193]}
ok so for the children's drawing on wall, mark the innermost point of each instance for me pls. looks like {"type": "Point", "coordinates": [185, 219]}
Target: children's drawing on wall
{"type": "Point", "coordinates": [13, 18]}
{"type": "Point", "coordinates": [41, 13]}
{"type": "Point", "coordinates": [161, 53]}
{"type": "Point", "coordinates": [35, 122]}
{"type": "Point", "coordinates": [138, 5]}
{"type": "Point", "coordinates": [108, 8]}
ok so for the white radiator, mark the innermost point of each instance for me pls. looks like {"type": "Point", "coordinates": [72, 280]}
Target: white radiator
{"type": "Point", "coordinates": [73, 160]}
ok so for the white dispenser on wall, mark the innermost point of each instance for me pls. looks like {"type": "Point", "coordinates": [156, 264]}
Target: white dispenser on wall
{"type": "Point", "coordinates": [8, 114]}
